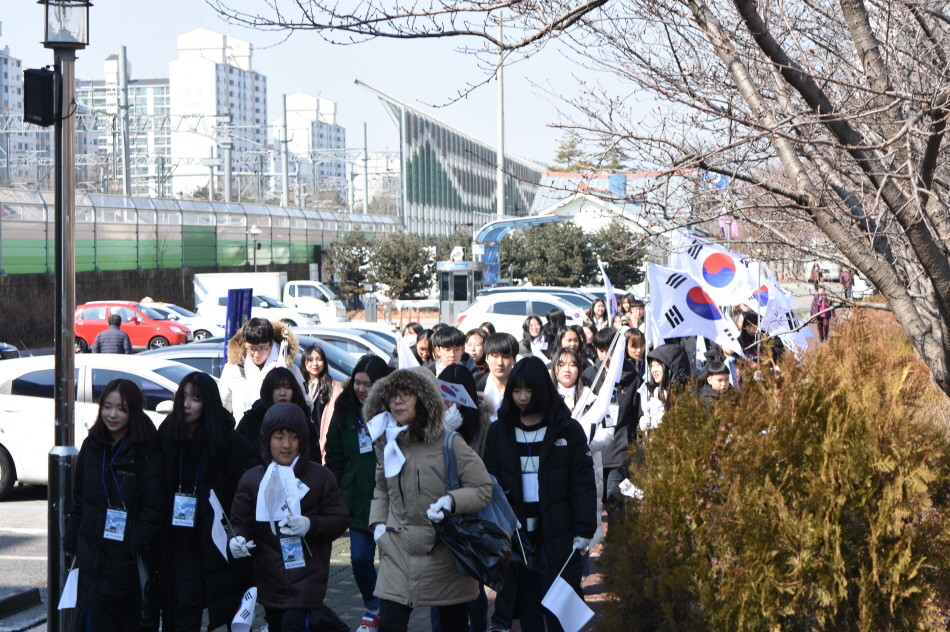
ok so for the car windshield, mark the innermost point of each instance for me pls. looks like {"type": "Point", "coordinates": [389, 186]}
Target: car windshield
{"type": "Point", "coordinates": [175, 372]}
{"type": "Point", "coordinates": [336, 357]}
{"type": "Point", "coordinates": [270, 302]}
{"type": "Point", "coordinates": [574, 299]}
{"type": "Point", "coordinates": [181, 310]}
{"type": "Point", "coordinates": [153, 313]}
{"type": "Point", "coordinates": [377, 339]}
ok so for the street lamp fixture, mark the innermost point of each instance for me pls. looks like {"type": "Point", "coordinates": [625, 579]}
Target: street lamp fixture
{"type": "Point", "coordinates": [255, 232]}
{"type": "Point", "coordinates": [67, 23]}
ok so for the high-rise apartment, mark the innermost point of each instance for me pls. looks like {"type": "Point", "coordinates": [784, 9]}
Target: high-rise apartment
{"type": "Point", "coordinates": [217, 98]}
{"type": "Point", "coordinates": [316, 144]}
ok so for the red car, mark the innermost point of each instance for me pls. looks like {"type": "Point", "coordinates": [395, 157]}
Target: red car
{"type": "Point", "coordinates": [147, 328]}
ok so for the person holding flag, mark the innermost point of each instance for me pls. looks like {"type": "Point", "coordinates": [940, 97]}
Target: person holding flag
{"type": "Point", "coordinates": [203, 453]}
{"type": "Point", "coordinates": [286, 515]}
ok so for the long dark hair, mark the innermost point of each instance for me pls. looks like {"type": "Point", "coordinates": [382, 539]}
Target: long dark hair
{"type": "Point", "coordinates": [556, 320]}
{"type": "Point", "coordinates": [577, 359]}
{"type": "Point", "coordinates": [141, 428]}
{"type": "Point", "coordinates": [531, 373]}
{"type": "Point", "coordinates": [373, 366]}
{"type": "Point", "coordinates": [324, 381]}
{"type": "Point", "coordinates": [282, 376]}
{"type": "Point", "coordinates": [215, 422]}
{"type": "Point", "coordinates": [526, 336]}
{"type": "Point", "coordinates": [458, 374]}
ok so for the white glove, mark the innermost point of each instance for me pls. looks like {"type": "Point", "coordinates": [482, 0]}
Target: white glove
{"type": "Point", "coordinates": [378, 532]}
{"type": "Point", "coordinates": [452, 419]}
{"type": "Point", "coordinates": [581, 544]}
{"type": "Point", "coordinates": [240, 547]}
{"type": "Point", "coordinates": [294, 525]}
{"type": "Point", "coordinates": [435, 509]}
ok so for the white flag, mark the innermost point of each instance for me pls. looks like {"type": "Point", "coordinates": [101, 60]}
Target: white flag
{"type": "Point", "coordinates": [70, 589]}
{"type": "Point", "coordinates": [456, 394]}
{"type": "Point", "coordinates": [407, 359]}
{"type": "Point", "coordinates": [723, 274]}
{"type": "Point", "coordinates": [565, 604]}
{"type": "Point", "coordinates": [244, 618]}
{"type": "Point", "coordinates": [611, 296]}
{"type": "Point", "coordinates": [679, 306]}
{"type": "Point", "coordinates": [218, 535]}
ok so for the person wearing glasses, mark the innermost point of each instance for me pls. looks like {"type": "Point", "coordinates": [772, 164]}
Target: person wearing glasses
{"type": "Point", "coordinates": [405, 412]}
{"type": "Point", "coordinates": [257, 348]}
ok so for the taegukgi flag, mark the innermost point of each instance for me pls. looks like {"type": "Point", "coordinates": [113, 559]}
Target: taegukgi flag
{"type": "Point", "coordinates": [680, 306]}
{"type": "Point", "coordinates": [723, 274]}
{"type": "Point", "coordinates": [611, 296]}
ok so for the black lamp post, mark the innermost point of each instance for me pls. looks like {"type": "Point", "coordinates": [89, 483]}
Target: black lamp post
{"type": "Point", "coordinates": [66, 31]}
{"type": "Point", "coordinates": [255, 232]}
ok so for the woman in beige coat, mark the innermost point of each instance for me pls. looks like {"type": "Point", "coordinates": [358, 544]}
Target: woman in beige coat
{"type": "Point", "coordinates": [405, 411]}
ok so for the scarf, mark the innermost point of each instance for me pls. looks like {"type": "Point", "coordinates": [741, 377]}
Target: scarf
{"type": "Point", "coordinates": [393, 458]}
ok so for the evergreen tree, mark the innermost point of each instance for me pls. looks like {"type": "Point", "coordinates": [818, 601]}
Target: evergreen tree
{"type": "Point", "coordinates": [571, 156]}
{"type": "Point", "coordinates": [346, 260]}
{"type": "Point", "coordinates": [614, 245]}
{"type": "Point", "coordinates": [550, 254]}
{"type": "Point", "coordinates": [404, 264]}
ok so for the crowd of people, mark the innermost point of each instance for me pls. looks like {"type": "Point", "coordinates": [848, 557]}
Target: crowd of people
{"type": "Point", "coordinates": [280, 460]}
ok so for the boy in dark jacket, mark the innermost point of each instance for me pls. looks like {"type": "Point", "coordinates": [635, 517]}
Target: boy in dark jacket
{"type": "Point", "coordinates": [289, 534]}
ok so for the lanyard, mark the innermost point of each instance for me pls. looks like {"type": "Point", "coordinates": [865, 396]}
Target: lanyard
{"type": "Point", "coordinates": [105, 487]}
{"type": "Point", "coordinates": [181, 460]}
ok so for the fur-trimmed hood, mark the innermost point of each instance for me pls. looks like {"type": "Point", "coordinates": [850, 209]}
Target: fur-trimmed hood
{"type": "Point", "coordinates": [419, 381]}
{"type": "Point", "coordinates": [236, 351]}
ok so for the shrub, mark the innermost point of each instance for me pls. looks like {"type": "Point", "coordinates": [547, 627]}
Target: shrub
{"type": "Point", "coordinates": [815, 500]}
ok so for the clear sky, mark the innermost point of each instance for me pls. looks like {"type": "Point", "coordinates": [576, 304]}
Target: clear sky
{"type": "Point", "coordinates": [425, 74]}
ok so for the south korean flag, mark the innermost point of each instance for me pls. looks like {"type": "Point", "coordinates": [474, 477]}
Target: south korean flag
{"type": "Point", "coordinates": [724, 275]}
{"type": "Point", "coordinates": [680, 306]}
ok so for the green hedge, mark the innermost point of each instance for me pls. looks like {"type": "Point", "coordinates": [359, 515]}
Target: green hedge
{"type": "Point", "coordinates": [816, 500]}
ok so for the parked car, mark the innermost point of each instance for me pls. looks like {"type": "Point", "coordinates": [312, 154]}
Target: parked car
{"type": "Point", "coordinates": [356, 343]}
{"type": "Point", "coordinates": [147, 328]}
{"type": "Point", "coordinates": [208, 355]}
{"type": "Point", "coordinates": [8, 351]}
{"type": "Point", "coordinates": [216, 309]}
{"type": "Point", "coordinates": [27, 409]}
{"type": "Point", "coordinates": [558, 290]}
{"type": "Point", "coordinates": [507, 310]}
{"type": "Point", "coordinates": [200, 327]}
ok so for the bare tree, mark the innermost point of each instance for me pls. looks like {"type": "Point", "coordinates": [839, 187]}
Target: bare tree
{"type": "Point", "coordinates": [828, 118]}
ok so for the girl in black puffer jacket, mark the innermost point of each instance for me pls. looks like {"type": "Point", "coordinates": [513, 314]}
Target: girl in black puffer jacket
{"type": "Point", "coordinates": [118, 508]}
{"type": "Point", "coordinates": [541, 459]}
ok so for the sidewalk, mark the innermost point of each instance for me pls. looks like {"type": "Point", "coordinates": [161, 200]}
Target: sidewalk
{"type": "Point", "coordinates": [344, 598]}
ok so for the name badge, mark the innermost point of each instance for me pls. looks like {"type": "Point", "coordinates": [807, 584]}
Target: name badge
{"type": "Point", "coordinates": [183, 513]}
{"type": "Point", "coordinates": [366, 442]}
{"type": "Point", "coordinates": [529, 488]}
{"type": "Point", "coordinates": [292, 550]}
{"type": "Point", "coordinates": [115, 525]}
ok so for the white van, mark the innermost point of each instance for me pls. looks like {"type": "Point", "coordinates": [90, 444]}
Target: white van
{"type": "Point", "coordinates": [314, 297]}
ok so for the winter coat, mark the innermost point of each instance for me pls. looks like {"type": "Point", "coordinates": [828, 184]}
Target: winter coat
{"type": "Point", "coordinates": [818, 306]}
{"type": "Point", "coordinates": [279, 587]}
{"type": "Point", "coordinates": [224, 582]}
{"type": "Point", "coordinates": [566, 490]}
{"type": "Point", "coordinates": [355, 473]}
{"type": "Point", "coordinates": [108, 576]}
{"type": "Point", "coordinates": [237, 392]}
{"type": "Point", "coordinates": [321, 418]}
{"type": "Point", "coordinates": [112, 340]}
{"type": "Point", "coordinates": [252, 421]}
{"type": "Point", "coordinates": [415, 569]}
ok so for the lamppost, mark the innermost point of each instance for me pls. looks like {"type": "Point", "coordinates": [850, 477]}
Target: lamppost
{"type": "Point", "coordinates": [254, 232]}
{"type": "Point", "coordinates": [67, 30]}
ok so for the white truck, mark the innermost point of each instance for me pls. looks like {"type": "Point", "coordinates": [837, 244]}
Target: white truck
{"type": "Point", "coordinates": [307, 297]}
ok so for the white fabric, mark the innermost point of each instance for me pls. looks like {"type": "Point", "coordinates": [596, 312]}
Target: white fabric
{"type": "Point", "coordinates": [279, 493]}
{"type": "Point", "coordinates": [453, 418]}
{"type": "Point", "coordinates": [218, 535]}
{"type": "Point", "coordinates": [565, 604]}
{"type": "Point", "coordinates": [611, 376]}
{"type": "Point", "coordinates": [437, 510]}
{"type": "Point", "coordinates": [581, 544]}
{"type": "Point", "coordinates": [653, 410]}
{"type": "Point", "coordinates": [378, 532]}
{"type": "Point", "coordinates": [70, 590]}
{"type": "Point", "coordinates": [295, 525]}
{"type": "Point", "coordinates": [407, 359]}
{"type": "Point", "coordinates": [393, 458]}
{"type": "Point", "coordinates": [254, 377]}
{"type": "Point", "coordinates": [493, 395]}
{"type": "Point", "coordinates": [240, 547]}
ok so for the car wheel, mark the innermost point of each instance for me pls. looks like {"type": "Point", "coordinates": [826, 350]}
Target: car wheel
{"type": "Point", "coordinates": [201, 334]}
{"type": "Point", "coordinates": [158, 342]}
{"type": "Point", "coordinates": [7, 474]}
{"type": "Point", "coordinates": [81, 346]}
{"type": "Point", "coordinates": [288, 322]}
